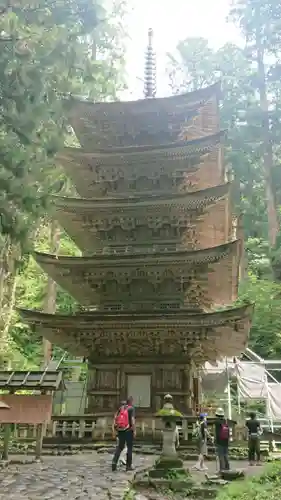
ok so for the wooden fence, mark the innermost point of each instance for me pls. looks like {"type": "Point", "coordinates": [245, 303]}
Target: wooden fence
{"type": "Point", "coordinates": [98, 427]}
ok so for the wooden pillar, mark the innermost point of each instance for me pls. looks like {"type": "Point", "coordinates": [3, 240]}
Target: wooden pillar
{"type": "Point", "coordinates": [118, 384]}
{"type": "Point", "coordinates": [197, 387]}
{"type": "Point", "coordinates": [123, 383]}
{"type": "Point", "coordinates": [39, 440]}
{"type": "Point", "coordinates": [91, 381]}
{"type": "Point", "coordinates": [188, 388]}
{"type": "Point", "coordinates": [51, 290]}
{"type": "Point", "coordinates": [153, 389]}
{"type": "Point", "coordinates": [7, 436]}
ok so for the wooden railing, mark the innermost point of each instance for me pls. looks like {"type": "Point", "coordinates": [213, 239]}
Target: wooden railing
{"type": "Point", "coordinates": [98, 427]}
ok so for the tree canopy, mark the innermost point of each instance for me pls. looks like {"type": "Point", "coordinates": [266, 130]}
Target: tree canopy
{"type": "Point", "coordinates": [250, 110]}
{"type": "Point", "coordinates": [48, 50]}
{"type": "Point", "coordinates": [45, 53]}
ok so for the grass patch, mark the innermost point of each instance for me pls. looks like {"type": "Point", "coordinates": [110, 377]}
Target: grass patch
{"type": "Point", "coordinates": [266, 486]}
{"type": "Point", "coordinates": [129, 494]}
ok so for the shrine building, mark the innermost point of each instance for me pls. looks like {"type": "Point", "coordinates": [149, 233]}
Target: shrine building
{"type": "Point", "coordinates": [160, 247]}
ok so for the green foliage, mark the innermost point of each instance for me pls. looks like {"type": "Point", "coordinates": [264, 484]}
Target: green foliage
{"type": "Point", "coordinates": [45, 54]}
{"type": "Point", "coordinates": [266, 327]}
{"type": "Point", "coordinates": [258, 255]}
{"type": "Point", "coordinates": [250, 110]}
{"type": "Point", "coordinates": [231, 65]}
{"type": "Point", "coordinates": [31, 290]}
{"type": "Point", "coordinates": [263, 487]}
{"type": "Point", "coordinates": [48, 50]}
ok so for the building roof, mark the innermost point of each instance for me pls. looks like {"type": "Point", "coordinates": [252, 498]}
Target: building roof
{"type": "Point", "coordinates": [30, 380]}
{"type": "Point", "coordinates": [90, 222]}
{"type": "Point", "coordinates": [143, 105]}
{"type": "Point", "coordinates": [139, 122]}
{"type": "Point", "coordinates": [137, 278]}
{"type": "Point", "coordinates": [173, 335]}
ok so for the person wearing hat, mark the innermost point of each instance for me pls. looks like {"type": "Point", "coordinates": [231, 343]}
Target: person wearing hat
{"type": "Point", "coordinates": [222, 436]}
{"type": "Point", "coordinates": [201, 434]}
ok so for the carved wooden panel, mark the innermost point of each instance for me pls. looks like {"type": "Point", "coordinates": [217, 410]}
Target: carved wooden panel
{"type": "Point", "coordinates": [102, 402]}
{"type": "Point", "coordinates": [106, 379]}
{"type": "Point", "coordinates": [155, 127]}
{"type": "Point", "coordinates": [169, 379]}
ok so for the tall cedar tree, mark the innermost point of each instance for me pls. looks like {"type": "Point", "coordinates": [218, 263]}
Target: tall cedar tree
{"type": "Point", "coordinates": [44, 55]}
{"type": "Point", "coordinates": [260, 23]}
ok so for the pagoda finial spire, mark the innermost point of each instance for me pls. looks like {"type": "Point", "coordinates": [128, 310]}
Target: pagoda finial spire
{"type": "Point", "coordinates": [150, 69]}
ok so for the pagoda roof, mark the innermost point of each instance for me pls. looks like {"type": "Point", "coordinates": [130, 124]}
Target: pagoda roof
{"type": "Point", "coordinates": [192, 200]}
{"type": "Point", "coordinates": [92, 172]}
{"type": "Point", "coordinates": [93, 280]}
{"type": "Point", "coordinates": [85, 219]}
{"type": "Point", "coordinates": [121, 156]}
{"type": "Point", "coordinates": [144, 105]}
{"type": "Point", "coordinates": [108, 124]}
{"type": "Point", "coordinates": [145, 335]}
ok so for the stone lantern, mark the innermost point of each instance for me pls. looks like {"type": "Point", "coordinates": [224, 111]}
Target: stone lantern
{"type": "Point", "coordinates": [169, 457]}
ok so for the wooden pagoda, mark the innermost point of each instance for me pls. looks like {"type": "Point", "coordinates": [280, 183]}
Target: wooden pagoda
{"type": "Point", "coordinates": [160, 264]}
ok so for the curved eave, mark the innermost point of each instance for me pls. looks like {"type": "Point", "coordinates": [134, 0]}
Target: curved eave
{"type": "Point", "coordinates": [191, 201]}
{"type": "Point", "coordinates": [194, 257]}
{"type": "Point", "coordinates": [81, 277]}
{"type": "Point", "coordinates": [199, 146]}
{"type": "Point", "coordinates": [88, 320]}
{"type": "Point", "coordinates": [224, 333]}
{"type": "Point", "coordinates": [78, 105]}
{"type": "Point", "coordinates": [91, 320]}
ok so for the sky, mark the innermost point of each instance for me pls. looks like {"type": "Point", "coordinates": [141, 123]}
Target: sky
{"type": "Point", "coordinates": [171, 21]}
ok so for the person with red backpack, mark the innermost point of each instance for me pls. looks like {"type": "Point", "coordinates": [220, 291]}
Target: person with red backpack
{"type": "Point", "coordinates": [124, 426]}
{"type": "Point", "coordinates": [222, 437]}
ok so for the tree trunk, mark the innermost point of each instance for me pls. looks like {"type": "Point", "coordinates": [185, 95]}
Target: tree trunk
{"type": "Point", "coordinates": [8, 285]}
{"type": "Point", "coordinates": [267, 154]}
{"type": "Point", "coordinates": [3, 272]}
{"type": "Point", "coordinates": [51, 289]}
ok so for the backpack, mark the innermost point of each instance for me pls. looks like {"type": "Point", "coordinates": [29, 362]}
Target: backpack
{"type": "Point", "coordinates": [224, 432]}
{"type": "Point", "coordinates": [121, 420]}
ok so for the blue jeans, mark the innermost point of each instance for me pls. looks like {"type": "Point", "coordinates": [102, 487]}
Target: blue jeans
{"type": "Point", "coordinates": [222, 453]}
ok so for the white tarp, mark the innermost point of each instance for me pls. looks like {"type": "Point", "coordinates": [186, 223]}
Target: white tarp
{"type": "Point", "coordinates": [251, 380]}
{"type": "Point", "coordinates": [215, 377]}
{"type": "Point", "coordinates": [252, 383]}
{"type": "Point", "coordinates": [274, 401]}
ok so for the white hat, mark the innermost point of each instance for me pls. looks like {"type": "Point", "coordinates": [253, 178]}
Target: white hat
{"type": "Point", "coordinates": [220, 412]}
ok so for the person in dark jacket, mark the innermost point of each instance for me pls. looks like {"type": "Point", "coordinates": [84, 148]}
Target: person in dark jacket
{"type": "Point", "coordinates": [254, 432]}
{"type": "Point", "coordinates": [126, 434]}
{"type": "Point", "coordinates": [122, 458]}
{"type": "Point", "coordinates": [222, 436]}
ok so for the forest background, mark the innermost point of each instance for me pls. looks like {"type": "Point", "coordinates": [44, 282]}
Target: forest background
{"type": "Point", "coordinates": [49, 49]}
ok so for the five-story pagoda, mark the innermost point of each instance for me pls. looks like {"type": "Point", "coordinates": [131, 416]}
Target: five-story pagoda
{"type": "Point", "coordinates": [160, 260]}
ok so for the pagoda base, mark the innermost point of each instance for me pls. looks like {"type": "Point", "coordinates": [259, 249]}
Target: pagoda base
{"type": "Point", "coordinates": [108, 385]}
